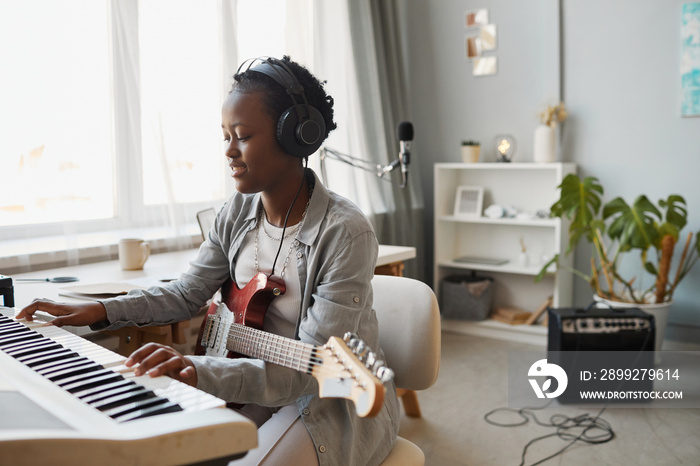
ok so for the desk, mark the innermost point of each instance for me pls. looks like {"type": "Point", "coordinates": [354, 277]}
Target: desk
{"type": "Point", "coordinates": [158, 269]}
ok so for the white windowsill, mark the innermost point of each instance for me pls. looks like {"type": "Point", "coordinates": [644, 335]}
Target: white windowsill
{"type": "Point", "coordinates": [27, 255]}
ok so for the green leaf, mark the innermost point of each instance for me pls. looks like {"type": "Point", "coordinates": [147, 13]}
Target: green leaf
{"type": "Point", "coordinates": [651, 268]}
{"type": "Point", "coordinates": [580, 202]}
{"type": "Point", "coordinates": [634, 227]}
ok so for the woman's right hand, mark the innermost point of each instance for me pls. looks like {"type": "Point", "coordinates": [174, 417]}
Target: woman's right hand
{"type": "Point", "coordinates": [66, 314]}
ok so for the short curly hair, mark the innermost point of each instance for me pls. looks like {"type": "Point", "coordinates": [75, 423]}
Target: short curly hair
{"type": "Point", "coordinates": [276, 99]}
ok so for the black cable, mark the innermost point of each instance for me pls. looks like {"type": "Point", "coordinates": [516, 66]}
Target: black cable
{"type": "Point", "coordinates": [286, 218]}
{"type": "Point", "coordinates": [563, 426]}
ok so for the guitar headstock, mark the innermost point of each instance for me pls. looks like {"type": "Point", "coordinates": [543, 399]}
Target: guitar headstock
{"type": "Point", "coordinates": [349, 369]}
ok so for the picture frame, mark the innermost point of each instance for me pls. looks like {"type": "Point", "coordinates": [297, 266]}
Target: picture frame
{"type": "Point", "coordinates": [469, 201]}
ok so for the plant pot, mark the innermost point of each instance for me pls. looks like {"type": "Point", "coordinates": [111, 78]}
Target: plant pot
{"type": "Point", "coordinates": [659, 311]}
{"type": "Point", "coordinates": [544, 148]}
{"type": "Point", "coordinates": [470, 154]}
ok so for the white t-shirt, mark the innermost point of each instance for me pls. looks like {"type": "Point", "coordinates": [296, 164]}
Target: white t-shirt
{"type": "Point", "coordinates": [282, 315]}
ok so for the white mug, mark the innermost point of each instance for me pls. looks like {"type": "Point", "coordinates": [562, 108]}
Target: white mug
{"type": "Point", "coordinates": [133, 253]}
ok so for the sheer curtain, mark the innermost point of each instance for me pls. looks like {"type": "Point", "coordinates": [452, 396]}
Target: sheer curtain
{"type": "Point", "coordinates": [133, 145]}
{"type": "Point", "coordinates": [169, 65]}
{"type": "Point", "coordinates": [358, 50]}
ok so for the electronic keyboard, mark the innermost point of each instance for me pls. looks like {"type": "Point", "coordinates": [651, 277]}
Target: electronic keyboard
{"type": "Point", "coordinates": [66, 400]}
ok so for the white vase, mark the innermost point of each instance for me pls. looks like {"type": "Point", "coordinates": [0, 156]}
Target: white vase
{"type": "Point", "coordinates": [659, 311]}
{"type": "Point", "coordinates": [544, 147]}
{"type": "Point", "coordinates": [470, 154]}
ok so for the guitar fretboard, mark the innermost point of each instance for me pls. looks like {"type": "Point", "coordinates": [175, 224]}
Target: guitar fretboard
{"type": "Point", "coordinates": [272, 348]}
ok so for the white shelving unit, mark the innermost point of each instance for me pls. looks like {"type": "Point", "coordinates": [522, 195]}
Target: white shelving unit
{"type": "Point", "coordinates": [528, 187]}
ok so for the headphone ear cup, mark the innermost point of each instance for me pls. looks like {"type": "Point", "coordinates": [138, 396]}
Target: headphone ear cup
{"type": "Point", "coordinates": [301, 138]}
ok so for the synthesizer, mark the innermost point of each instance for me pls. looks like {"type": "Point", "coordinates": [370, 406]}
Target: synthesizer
{"type": "Point", "coordinates": [66, 400]}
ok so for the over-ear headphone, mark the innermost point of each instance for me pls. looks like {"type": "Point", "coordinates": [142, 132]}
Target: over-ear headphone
{"type": "Point", "coordinates": [301, 128]}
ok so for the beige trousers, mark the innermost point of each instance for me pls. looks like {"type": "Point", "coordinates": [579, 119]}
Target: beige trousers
{"type": "Point", "coordinates": [282, 438]}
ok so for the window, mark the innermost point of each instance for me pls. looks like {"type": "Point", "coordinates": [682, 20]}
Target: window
{"type": "Point", "coordinates": [110, 112]}
{"type": "Point", "coordinates": [56, 141]}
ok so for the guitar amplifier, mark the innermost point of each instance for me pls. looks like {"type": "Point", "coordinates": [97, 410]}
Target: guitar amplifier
{"type": "Point", "coordinates": [604, 329]}
{"type": "Point", "coordinates": [598, 348]}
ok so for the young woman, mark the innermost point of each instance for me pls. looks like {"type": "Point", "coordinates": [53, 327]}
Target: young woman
{"type": "Point", "coordinates": [281, 221]}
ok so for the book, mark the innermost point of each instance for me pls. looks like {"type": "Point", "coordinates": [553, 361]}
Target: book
{"type": "Point", "coordinates": [511, 315]}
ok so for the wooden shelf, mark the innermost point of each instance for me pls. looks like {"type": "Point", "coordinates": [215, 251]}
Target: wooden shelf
{"type": "Point", "coordinates": [528, 334]}
{"type": "Point", "coordinates": [544, 222]}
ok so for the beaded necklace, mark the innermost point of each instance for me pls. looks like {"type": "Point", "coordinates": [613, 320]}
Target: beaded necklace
{"type": "Point", "coordinates": [296, 230]}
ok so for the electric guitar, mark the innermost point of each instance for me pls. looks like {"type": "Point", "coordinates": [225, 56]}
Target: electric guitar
{"type": "Point", "coordinates": [344, 368]}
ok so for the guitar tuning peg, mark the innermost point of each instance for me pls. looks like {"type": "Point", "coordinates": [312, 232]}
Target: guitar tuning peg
{"type": "Point", "coordinates": [384, 374]}
{"type": "Point", "coordinates": [378, 364]}
{"type": "Point", "coordinates": [361, 350]}
{"type": "Point", "coordinates": [371, 359]}
{"type": "Point", "coordinates": [348, 336]}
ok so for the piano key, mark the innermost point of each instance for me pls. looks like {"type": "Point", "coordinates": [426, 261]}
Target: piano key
{"type": "Point", "coordinates": [57, 357]}
{"type": "Point", "coordinates": [52, 367]}
{"type": "Point", "coordinates": [4, 332]}
{"type": "Point", "coordinates": [81, 377]}
{"type": "Point", "coordinates": [19, 338]}
{"type": "Point", "coordinates": [27, 358]}
{"type": "Point", "coordinates": [94, 391]}
{"type": "Point", "coordinates": [33, 349]}
{"type": "Point", "coordinates": [129, 408]}
{"type": "Point", "coordinates": [73, 371]}
{"type": "Point", "coordinates": [152, 411]}
{"type": "Point", "coordinates": [24, 344]}
{"type": "Point", "coordinates": [122, 389]}
{"type": "Point", "coordinates": [58, 365]}
{"type": "Point", "coordinates": [122, 399]}
{"type": "Point", "coordinates": [79, 386]}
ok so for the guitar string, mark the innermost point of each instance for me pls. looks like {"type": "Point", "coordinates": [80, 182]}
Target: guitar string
{"type": "Point", "coordinates": [280, 349]}
{"type": "Point", "coordinates": [305, 360]}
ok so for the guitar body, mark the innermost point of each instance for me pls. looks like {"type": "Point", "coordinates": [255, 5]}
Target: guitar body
{"type": "Point", "coordinates": [246, 306]}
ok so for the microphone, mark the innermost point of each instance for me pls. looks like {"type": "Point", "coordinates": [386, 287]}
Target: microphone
{"type": "Point", "coordinates": [405, 134]}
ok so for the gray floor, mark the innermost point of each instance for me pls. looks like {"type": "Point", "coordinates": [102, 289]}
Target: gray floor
{"type": "Point", "coordinates": [474, 371]}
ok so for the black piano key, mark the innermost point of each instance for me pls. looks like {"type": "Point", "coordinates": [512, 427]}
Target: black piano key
{"type": "Point", "coordinates": [73, 371]}
{"type": "Point", "coordinates": [58, 357]}
{"type": "Point", "coordinates": [83, 394]}
{"type": "Point", "coordinates": [169, 407]}
{"type": "Point", "coordinates": [19, 338]}
{"type": "Point", "coordinates": [38, 352]}
{"type": "Point", "coordinates": [47, 368]}
{"type": "Point", "coordinates": [37, 340]}
{"type": "Point", "coordinates": [79, 386]}
{"type": "Point", "coordinates": [10, 330]}
{"type": "Point", "coordinates": [83, 377]}
{"type": "Point", "coordinates": [104, 394]}
{"type": "Point", "coordinates": [135, 406]}
{"type": "Point", "coordinates": [34, 348]}
{"type": "Point", "coordinates": [123, 398]}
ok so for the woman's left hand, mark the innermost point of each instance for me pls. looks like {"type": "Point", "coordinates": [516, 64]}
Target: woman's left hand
{"type": "Point", "coordinates": [155, 359]}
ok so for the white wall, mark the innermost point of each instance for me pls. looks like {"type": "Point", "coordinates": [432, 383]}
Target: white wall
{"type": "Point", "coordinates": [619, 77]}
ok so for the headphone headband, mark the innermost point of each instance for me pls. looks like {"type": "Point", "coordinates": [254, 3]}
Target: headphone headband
{"type": "Point", "coordinates": [300, 133]}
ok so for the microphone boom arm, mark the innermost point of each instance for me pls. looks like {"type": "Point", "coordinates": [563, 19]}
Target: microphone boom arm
{"type": "Point", "coordinates": [375, 168]}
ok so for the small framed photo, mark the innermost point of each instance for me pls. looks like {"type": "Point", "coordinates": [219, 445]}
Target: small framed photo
{"type": "Point", "coordinates": [469, 201]}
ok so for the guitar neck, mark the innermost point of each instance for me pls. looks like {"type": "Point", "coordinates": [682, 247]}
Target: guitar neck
{"type": "Point", "coordinates": [272, 348]}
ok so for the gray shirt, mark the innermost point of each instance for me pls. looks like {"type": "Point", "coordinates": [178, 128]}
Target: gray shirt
{"type": "Point", "coordinates": [337, 251]}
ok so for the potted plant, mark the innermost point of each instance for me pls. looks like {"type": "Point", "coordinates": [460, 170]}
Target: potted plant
{"type": "Point", "coordinates": [651, 230]}
{"type": "Point", "coordinates": [470, 151]}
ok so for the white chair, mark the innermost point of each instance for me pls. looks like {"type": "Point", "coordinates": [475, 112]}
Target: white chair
{"type": "Point", "coordinates": [409, 335]}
